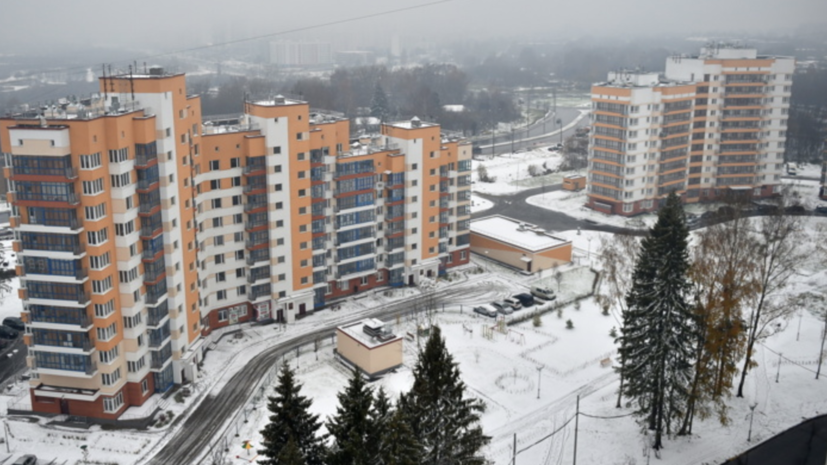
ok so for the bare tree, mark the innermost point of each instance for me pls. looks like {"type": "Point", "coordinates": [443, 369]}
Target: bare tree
{"type": "Point", "coordinates": [558, 276]}
{"type": "Point", "coordinates": [722, 256]}
{"type": "Point", "coordinates": [776, 257]}
{"type": "Point", "coordinates": [617, 256]}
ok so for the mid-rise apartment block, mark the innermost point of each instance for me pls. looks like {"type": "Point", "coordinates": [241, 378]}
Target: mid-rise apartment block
{"type": "Point", "coordinates": [141, 229]}
{"type": "Point", "coordinates": [712, 125]}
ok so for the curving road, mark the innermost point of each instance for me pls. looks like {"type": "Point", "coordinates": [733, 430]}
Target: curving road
{"type": "Point", "coordinates": [541, 132]}
{"type": "Point", "coordinates": [201, 431]}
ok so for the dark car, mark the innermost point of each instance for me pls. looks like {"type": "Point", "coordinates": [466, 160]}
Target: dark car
{"type": "Point", "coordinates": [26, 460]}
{"type": "Point", "coordinates": [501, 307]}
{"type": "Point", "coordinates": [485, 312]}
{"type": "Point", "coordinates": [526, 299]}
{"type": "Point", "coordinates": [14, 323]}
{"type": "Point", "coordinates": [821, 209]}
{"type": "Point", "coordinates": [795, 209]}
{"type": "Point", "coordinates": [7, 333]}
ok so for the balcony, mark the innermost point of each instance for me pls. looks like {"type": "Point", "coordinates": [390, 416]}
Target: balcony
{"type": "Point", "coordinates": [251, 244]}
{"type": "Point", "coordinates": [68, 173]}
{"type": "Point", "coordinates": [44, 365]}
{"type": "Point", "coordinates": [84, 345]}
{"type": "Point", "coordinates": [46, 317]}
{"type": "Point", "coordinates": [150, 255]}
{"type": "Point", "coordinates": [251, 278]}
{"type": "Point", "coordinates": [252, 206]}
{"type": "Point", "coordinates": [150, 231]}
{"type": "Point", "coordinates": [148, 184]}
{"type": "Point", "coordinates": [156, 316]}
{"type": "Point", "coordinates": [143, 160]}
{"type": "Point", "coordinates": [68, 199]}
{"type": "Point", "coordinates": [159, 358]}
{"type": "Point", "coordinates": [80, 274]}
{"type": "Point", "coordinates": [258, 168]}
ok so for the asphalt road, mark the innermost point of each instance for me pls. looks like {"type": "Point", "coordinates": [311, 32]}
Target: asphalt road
{"type": "Point", "coordinates": [543, 132]}
{"type": "Point", "coordinates": [515, 206]}
{"type": "Point", "coordinates": [202, 430]}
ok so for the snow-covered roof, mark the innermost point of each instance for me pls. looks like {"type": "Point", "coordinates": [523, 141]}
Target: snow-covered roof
{"type": "Point", "coordinates": [523, 235]}
{"type": "Point", "coordinates": [355, 331]}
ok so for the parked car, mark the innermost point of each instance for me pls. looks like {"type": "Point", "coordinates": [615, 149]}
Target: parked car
{"type": "Point", "coordinates": [821, 209]}
{"type": "Point", "coordinates": [7, 333]}
{"type": "Point", "coordinates": [14, 323]}
{"type": "Point", "coordinates": [543, 293]}
{"type": "Point", "coordinates": [513, 303]}
{"type": "Point", "coordinates": [527, 300]}
{"type": "Point", "coordinates": [26, 460]}
{"type": "Point", "coordinates": [795, 209]}
{"type": "Point", "coordinates": [485, 311]}
{"type": "Point", "coordinates": [501, 307]}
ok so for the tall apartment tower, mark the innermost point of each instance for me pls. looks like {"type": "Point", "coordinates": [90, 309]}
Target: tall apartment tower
{"type": "Point", "coordinates": [714, 125]}
{"type": "Point", "coordinates": [110, 302]}
{"type": "Point", "coordinates": [141, 230]}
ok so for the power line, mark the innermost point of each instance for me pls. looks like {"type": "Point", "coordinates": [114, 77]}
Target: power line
{"type": "Point", "coordinates": [546, 436]}
{"type": "Point", "coordinates": [82, 68]}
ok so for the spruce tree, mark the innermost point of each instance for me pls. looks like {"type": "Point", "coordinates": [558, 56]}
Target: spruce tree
{"type": "Point", "coordinates": [291, 419]}
{"type": "Point", "coordinates": [351, 427]}
{"type": "Point", "coordinates": [658, 334]}
{"type": "Point", "coordinates": [397, 443]}
{"type": "Point", "coordinates": [379, 104]}
{"type": "Point", "coordinates": [380, 414]}
{"type": "Point", "coordinates": [290, 454]}
{"type": "Point", "coordinates": [437, 411]}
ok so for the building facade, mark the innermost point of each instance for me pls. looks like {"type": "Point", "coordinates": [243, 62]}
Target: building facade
{"type": "Point", "coordinates": [141, 230]}
{"type": "Point", "coordinates": [713, 125]}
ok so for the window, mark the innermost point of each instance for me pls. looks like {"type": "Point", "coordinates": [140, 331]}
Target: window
{"type": "Point", "coordinates": [120, 180]}
{"type": "Point", "coordinates": [102, 286]}
{"type": "Point", "coordinates": [215, 165]}
{"type": "Point", "coordinates": [299, 135]}
{"type": "Point", "coordinates": [239, 255]}
{"type": "Point", "coordinates": [119, 155]}
{"type": "Point", "coordinates": [92, 161]}
{"type": "Point", "coordinates": [132, 321]}
{"type": "Point", "coordinates": [109, 356]}
{"type": "Point", "coordinates": [235, 162]}
{"type": "Point", "coordinates": [95, 212]}
{"type": "Point", "coordinates": [216, 203]}
{"type": "Point", "coordinates": [277, 169]}
{"type": "Point", "coordinates": [128, 275]}
{"type": "Point", "coordinates": [223, 315]}
{"type": "Point", "coordinates": [217, 222]}
{"type": "Point", "coordinates": [109, 379]}
{"type": "Point", "coordinates": [99, 262]}
{"type": "Point", "coordinates": [105, 334]}
{"type": "Point", "coordinates": [241, 290]}
{"type": "Point", "coordinates": [238, 218]}
{"type": "Point", "coordinates": [93, 187]}
{"type": "Point", "coordinates": [221, 295]}
{"type": "Point", "coordinates": [218, 240]}
{"type": "Point", "coordinates": [104, 310]}
{"type": "Point", "coordinates": [97, 237]}
{"type": "Point", "coordinates": [215, 184]}
{"type": "Point", "coordinates": [239, 272]}
{"type": "Point", "coordinates": [136, 366]}
{"type": "Point", "coordinates": [238, 237]}
{"type": "Point", "coordinates": [276, 150]}
{"type": "Point", "coordinates": [236, 181]}
{"type": "Point", "coordinates": [113, 404]}
{"type": "Point", "coordinates": [219, 259]}
{"type": "Point", "coordinates": [123, 229]}
{"type": "Point", "coordinates": [236, 200]}
{"type": "Point", "coordinates": [220, 276]}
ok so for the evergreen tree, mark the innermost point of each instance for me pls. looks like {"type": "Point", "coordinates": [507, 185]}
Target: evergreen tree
{"type": "Point", "coordinates": [445, 422]}
{"type": "Point", "coordinates": [291, 420]}
{"type": "Point", "coordinates": [397, 444]}
{"type": "Point", "coordinates": [380, 414]}
{"type": "Point", "coordinates": [379, 107]}
{"type": "Point", "coordinates": [290, 454]}
{"type": "Point", "coordinates": [352, 426]}
{"type": "Point", "coordinates": [656, 345]}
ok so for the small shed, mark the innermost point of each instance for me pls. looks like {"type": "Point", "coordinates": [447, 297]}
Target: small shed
{"type": "Point", "coordinates": [370, 346]}
{"type": "Point", "coordinates": [574, 182]}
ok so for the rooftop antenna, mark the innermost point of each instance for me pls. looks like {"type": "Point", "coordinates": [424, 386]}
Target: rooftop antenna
{"type": "Point", "coordinates": [111, 81]}
{"type": "Point", "coordinates": [145, 71]}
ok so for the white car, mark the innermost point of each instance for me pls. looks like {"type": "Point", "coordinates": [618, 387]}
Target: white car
{"type": "Point", "coordinates": [543, 293]}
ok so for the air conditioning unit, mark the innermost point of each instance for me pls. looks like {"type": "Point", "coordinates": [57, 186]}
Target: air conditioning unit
{"type": "Point", "coordinates": [380, 185]}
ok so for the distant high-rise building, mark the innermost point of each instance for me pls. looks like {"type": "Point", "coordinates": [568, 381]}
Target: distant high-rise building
{"type": "Point", "coordinates": [300, 53]}
{"type": "Point", "coordinates": [715, 124]}
{"type": "Point", "coordinates": [140, 230]}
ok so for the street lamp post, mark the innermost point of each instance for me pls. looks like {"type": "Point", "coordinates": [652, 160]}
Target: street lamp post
{"type": "Point", "coordinates": [539, 369]}
{"type": "Point", "coordinates": [751, 415]}
{"type": "Point", "coordinates": [512, 139]}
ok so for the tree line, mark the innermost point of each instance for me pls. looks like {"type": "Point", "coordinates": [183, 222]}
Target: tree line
{"type": "Point", "coordinates": [691, 317]}
{"type": "Point", "coordinates": [433, 423]}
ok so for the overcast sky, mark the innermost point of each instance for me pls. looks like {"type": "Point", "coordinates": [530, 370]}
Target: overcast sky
{"type": "Point", "coordinates": [172, 24]}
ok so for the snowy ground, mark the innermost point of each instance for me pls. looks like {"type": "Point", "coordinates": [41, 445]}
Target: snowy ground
{"type": "Point", "coordinates": [510, 171]}
{"type": "Point", "coordinates": [503, 371]}
{"type": "Point", "coordinates": [479, 204]}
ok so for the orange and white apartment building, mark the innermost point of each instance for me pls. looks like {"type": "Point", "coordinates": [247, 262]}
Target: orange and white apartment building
{"type": "Point", "coordinates": [140, 228]}
{"type": "Point", "coordinates": [712, 124]}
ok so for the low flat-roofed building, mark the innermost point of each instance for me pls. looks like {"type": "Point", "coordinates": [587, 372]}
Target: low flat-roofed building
{"type": "Point", "coordinates": [369, 346]}
{"type": "Point", "coordinates": [517, 244]}
{"type": "Point", "coordinates": [574, 182]}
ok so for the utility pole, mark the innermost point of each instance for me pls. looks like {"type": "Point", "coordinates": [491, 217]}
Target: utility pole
{"type": "Point", "coordinates": [823, 337]}
{"type": "Point", "coordinates": [512, 139]}
{"type": "Point", "coordinates": [576, 425]}
{"type": "Point", "coordinates": [778, 373]}
{"type": "Point", "coordinates": [539, 369]}
{"type": "Point", "coordinates": [514, 451]}
{"type": "Point", "coordinates": [751, 415]}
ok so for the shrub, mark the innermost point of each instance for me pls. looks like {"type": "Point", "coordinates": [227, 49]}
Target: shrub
{"type": "Point", "coordinates": [613, 332]}
{"type": "Point", "coordinates": [536, 320]}
{"type": "Point", "coordinates": [569, 324]}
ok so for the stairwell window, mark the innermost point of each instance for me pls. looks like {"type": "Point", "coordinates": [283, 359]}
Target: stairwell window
{"type": "Point", "coordinates": [93, 187]}
{"type": "Point", "coordinates": [102, 286]}
{"type": "Point", "coordinates": [105, 334]}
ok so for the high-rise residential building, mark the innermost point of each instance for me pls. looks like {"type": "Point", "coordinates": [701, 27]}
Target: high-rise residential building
{"type": "Point", "coordinates": [287, 53]}
{"type": "Point", "coordinates": [713, 125]}
{"type": "Point", "coordinates": [140, 230]}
